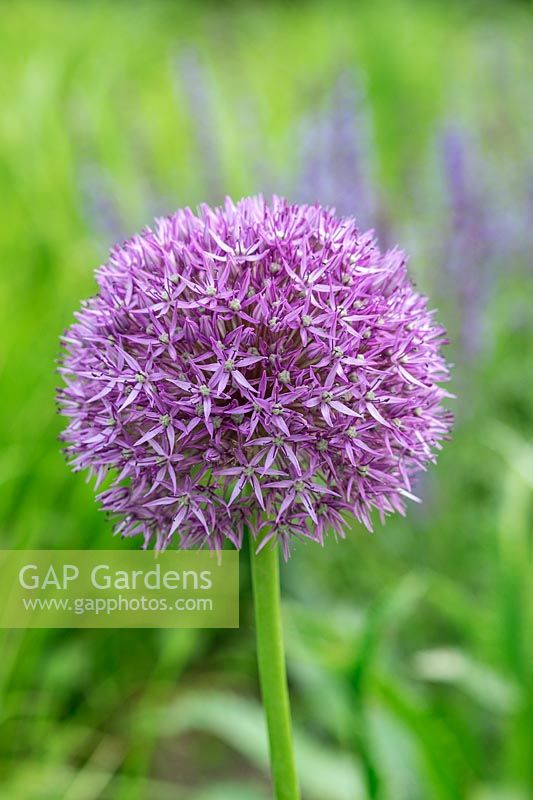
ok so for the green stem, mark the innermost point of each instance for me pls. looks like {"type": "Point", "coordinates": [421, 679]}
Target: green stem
{"type": "Point", "coordinates": [272, 672]}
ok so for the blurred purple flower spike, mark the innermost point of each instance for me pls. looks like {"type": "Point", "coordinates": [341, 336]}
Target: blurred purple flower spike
{"type": "Point", "coordinates": [194, 81]}
{"type": "Point", "coordinates": [337, 162]}
{"type": "Point", "coordinates": [99, 204]}
{"type": "Point", "coordinates": [472, 240]}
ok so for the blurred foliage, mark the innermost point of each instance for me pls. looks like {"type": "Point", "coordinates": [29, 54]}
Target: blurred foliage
{"type": "Point", "coordinates": [410, 650]}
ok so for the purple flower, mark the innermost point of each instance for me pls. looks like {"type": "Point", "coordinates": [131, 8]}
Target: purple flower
{"type": "Point", "coordinates": [253, 366]}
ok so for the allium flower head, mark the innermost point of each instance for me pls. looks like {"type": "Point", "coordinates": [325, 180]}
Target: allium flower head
{"type": "Point", "coordinates": [254, 366]}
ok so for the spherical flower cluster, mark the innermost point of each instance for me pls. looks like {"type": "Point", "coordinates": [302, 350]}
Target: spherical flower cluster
{"type": "Point", "coordinates": [252, 367]}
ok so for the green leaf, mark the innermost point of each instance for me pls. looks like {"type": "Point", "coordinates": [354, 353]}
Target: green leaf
{"type": "Point", "coordinates": [483, 684]}
{"type": "Point", "coordinates": [324, 773]}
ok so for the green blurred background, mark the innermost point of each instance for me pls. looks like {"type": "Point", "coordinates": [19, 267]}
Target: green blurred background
{"type": "Point", "coordinates": [409, 650]}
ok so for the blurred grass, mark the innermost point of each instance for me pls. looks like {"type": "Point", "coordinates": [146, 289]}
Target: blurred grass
{"type": "Point", "coordinates": [410, 651]}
